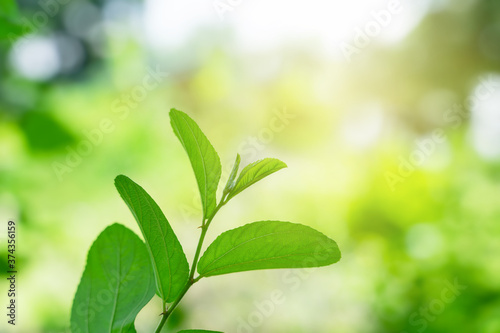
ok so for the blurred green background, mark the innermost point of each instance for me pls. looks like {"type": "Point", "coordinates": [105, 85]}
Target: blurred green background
{"type": "Point", "coordinates": [386, 112]}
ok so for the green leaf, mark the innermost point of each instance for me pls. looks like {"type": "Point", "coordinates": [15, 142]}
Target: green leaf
{"type": "Point", "coordinates": [266, 245]}
{"type": "Point", "coordinates": [198, 331]}
{"type": "Point", "coordinates": [203, 157]}
{"type": "Point", "coordinates": [254, 172]}
{"type": "Point", "coordinates": [8, 9]}
{"type": "Point", "coordinates": [10, 30]}
{"type": "Point", "coordinates": [232, 176]}
{"type": "Point", "coordinates": [169, 261]}
{"type": "Point", "coordinates": [117, 283]}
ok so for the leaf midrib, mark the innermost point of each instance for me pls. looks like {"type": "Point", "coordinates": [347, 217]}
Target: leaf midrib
{"type": "Point", "coordinates": [205, 201]}
{"type": "Point", "coordinates": [256, 164]}
{"type": "Point", "coordinates": [247, 241]}
{"type": "Point", "coordinates": [244, 173]}
{"type": "Point", "coordinates": [115, 302]}
{"type": "Point", "coordinates": [144, 295]}
{"type": "Point", "coordinates": [88, 306]}
{"type": "Point", "coordinates": [256, 260]}
{"type": "Point", "coordinates": [164, 243]}
{"type": "Point", "coordinates": [155, 266]}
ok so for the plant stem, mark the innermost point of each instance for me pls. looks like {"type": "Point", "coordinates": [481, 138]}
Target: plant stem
{"type": "Point", "coordinates": [204, 228]}
{"type": "Point", "coordinates": [163, 319]}
{"type": "Point", "coordinates": [160, 325]}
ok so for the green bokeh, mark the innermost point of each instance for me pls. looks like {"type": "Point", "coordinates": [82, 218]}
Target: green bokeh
{"type": "Point", "coordinates": [64, 139]}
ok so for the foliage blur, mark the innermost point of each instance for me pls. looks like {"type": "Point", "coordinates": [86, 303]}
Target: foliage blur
{"type": "Point", "coordinates": [392, 152]}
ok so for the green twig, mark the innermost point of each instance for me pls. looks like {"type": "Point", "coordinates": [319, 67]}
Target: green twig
{"type": "Point", "coordinates": [204, 228]}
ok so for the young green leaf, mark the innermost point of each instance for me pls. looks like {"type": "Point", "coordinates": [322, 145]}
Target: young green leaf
{"type": "Point", "coordinates": [117, 283]}
{"type": "Point", "coordinates": [198, 331]}
{"type": "Point", "coordinates": [266, 245]}
{"type": "Point", "coordinates": [232, 175]}
{"type": "Point", "coordinates": [169, 261]}
{"type": "Point", "coordinates": [204, 159]}
{"type": "Point", "coordinates": [254, 172]}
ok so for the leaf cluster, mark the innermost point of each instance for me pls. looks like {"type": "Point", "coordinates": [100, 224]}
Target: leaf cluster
{"type": "Point", "coordinates": [123, 273]}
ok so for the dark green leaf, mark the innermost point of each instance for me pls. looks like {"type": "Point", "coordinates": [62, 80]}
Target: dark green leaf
{"type": "Point", "coordinates": [232, 175]}
{"type": "Point", "coordinates": [254, 172]}
{"type": "Point", "coordinates": [117, 283]}
{"type": "Point", "coordinates": [203, 157]}
{"type": "Point", "coordinates": [266, 245]}
{"type": "Point", "coordinates": [169, 261]}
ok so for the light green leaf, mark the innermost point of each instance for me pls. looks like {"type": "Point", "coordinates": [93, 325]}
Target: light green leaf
{"type": "Point", "coordinates": [266, 245]}
{"type": "Point", "coordinates": [117, 283]}
{"type": "Point", "coordinates": [169, 261]}
{"type": "Point", "coordinates": [232, 175]}
{"type": "Point", "coordinates": [198, 331]}
{"type": "Point", "coordinates": [254, 172]}
{"type": "Point", "coordinates": [203, 157]}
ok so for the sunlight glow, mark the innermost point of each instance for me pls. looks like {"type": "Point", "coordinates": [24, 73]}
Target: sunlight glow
{"type": "Point", "coordinates": [262, 25]}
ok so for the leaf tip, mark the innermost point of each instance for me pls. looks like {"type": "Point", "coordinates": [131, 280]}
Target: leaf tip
{"type": "Point", "coordinates": [174, 111]}
{"type": "Point", "coordinates": [115, 225]}
{"type": "Point", "coordinates": [120, 178]}
{"type": "Point", "coordinates": [281, 163]}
